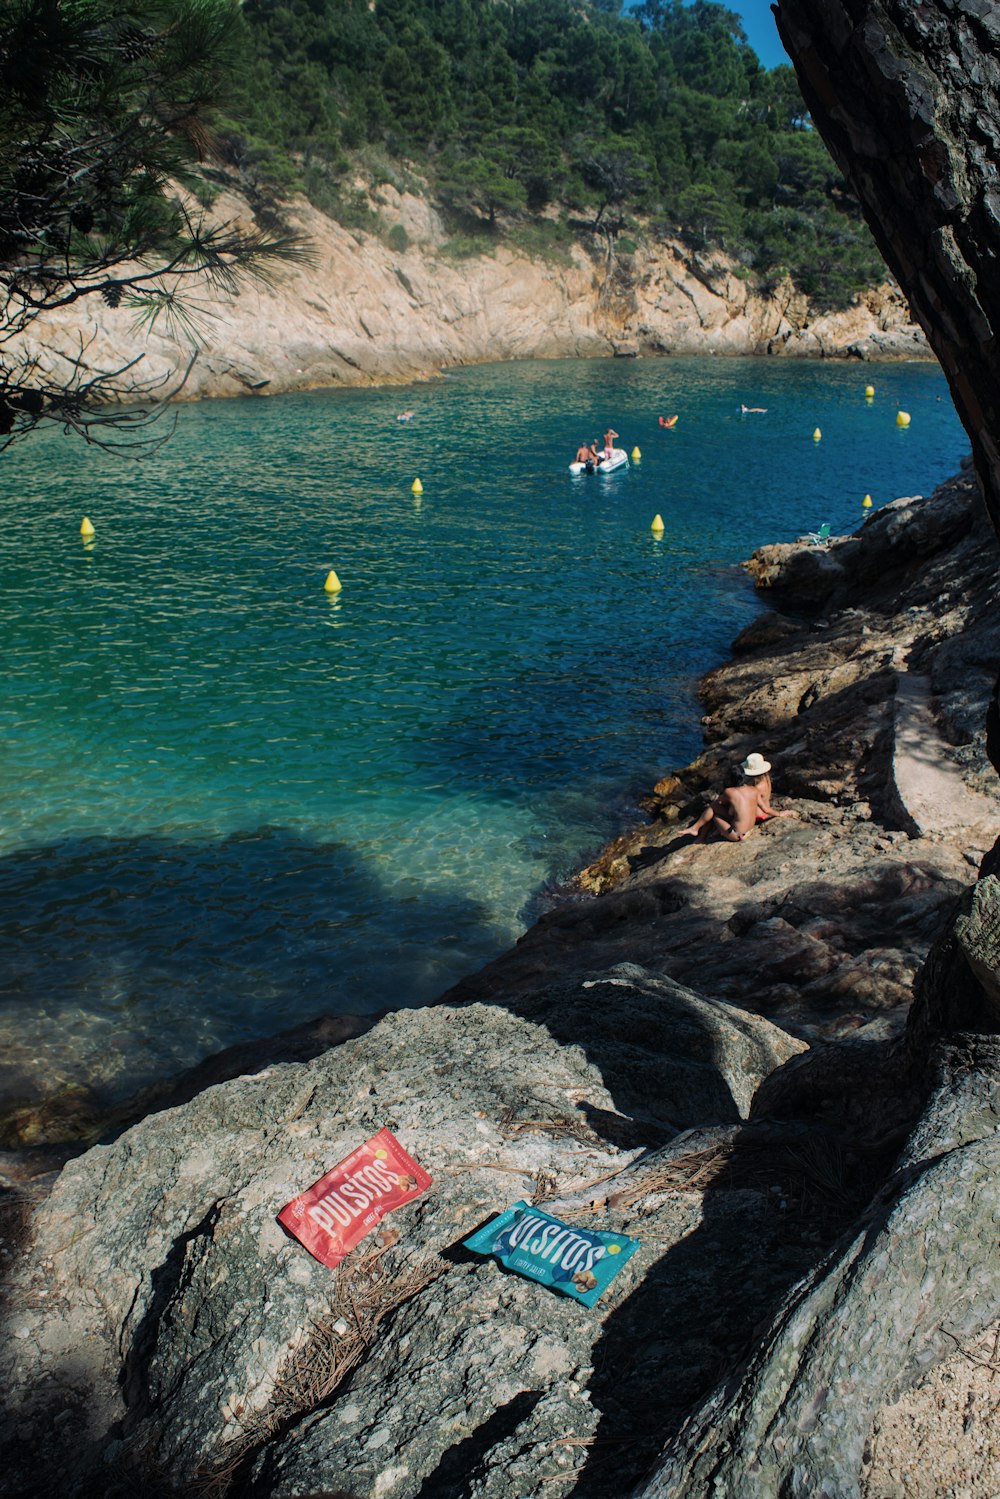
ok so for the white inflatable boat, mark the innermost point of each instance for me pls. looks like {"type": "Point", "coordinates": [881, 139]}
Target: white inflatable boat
{"type": "Point", "coordinates": [618, 459]}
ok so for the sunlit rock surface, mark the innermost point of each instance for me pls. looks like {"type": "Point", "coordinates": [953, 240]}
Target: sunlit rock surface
{"type": "Point", "coordinates": [364, 314]}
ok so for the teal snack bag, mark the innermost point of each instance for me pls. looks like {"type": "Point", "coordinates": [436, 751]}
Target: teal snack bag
{"type": "Point", "coordinates": [580, 1262]}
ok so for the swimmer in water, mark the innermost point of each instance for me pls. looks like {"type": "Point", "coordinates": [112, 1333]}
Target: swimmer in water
{"type": "Point", "coordinates": [748, 410]}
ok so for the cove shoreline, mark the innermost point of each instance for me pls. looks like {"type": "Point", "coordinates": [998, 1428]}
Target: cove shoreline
{"type": "Point", "coordinates": [364, 315]}
{"type": "Point", "coordinates": [74, 1110]}
{"type": "Point", "coordinates": [41, 1136]}
{"type": "Point", "coordinates": [650, 744]}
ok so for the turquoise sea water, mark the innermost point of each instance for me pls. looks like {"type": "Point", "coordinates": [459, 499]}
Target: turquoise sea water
{"type": "Point", "coordinates": [231, 802]}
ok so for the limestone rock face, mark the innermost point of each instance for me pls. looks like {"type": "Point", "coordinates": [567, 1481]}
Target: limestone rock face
{"type": "Point", "coordinates": [692, 304]}
{"type": "Point", "coordinates": [365, 313]}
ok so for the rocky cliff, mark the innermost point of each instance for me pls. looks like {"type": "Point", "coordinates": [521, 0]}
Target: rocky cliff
{"type": "Point", "coordinates": [701, 1046]}
{"type": "Point", "coordinates": [366, 314]}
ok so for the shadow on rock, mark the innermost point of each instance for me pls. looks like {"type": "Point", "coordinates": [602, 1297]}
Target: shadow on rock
{"type": "Point", "coordinates": [832, 957]}
{"type": "Point", "coordinates": [766, 1206]}
{"type": "Point", "coordinates": [128, 959]}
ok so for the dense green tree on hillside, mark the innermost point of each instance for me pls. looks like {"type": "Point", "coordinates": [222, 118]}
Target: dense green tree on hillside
{"type": "Point", "coordinates": [680, 122]}
{"type": "Point", "coordinates": [104, 109]}
{"type": "Point", "coordinates": [617, 170]}
{"type": "Point", "coordinates": [479, 183]}
{"type": "Point", "coordinates": [706, 44]}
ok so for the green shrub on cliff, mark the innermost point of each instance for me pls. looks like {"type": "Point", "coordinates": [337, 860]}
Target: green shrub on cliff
{"type": "Point", "coordinates": [507, 106]}
{"type": "Point", "coordinates": [106, 127]}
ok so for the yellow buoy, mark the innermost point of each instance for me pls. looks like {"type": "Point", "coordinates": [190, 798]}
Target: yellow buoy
{"type": "Point", "coordinates": [416, 487]}
{"type": "Point", "coordinates": [902, 418]}
{"type": "Point", "coordinates": [333, 583]}
{"type": "Point", "coordinates": [86, 529]}
{"type": "Point", "coordinates": [658, 525]}
{"type": "Point", "coordinates": [636, 455]}
{"type": "Point", "coordinates": [866, 502]}
{"type": "Point", "coordinates": [869, 392]}
{"type": "Point", "coordinates": [817, 435]}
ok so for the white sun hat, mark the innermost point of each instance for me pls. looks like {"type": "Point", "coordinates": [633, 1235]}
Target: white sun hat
{"type": "Point", "coordinates": [755, 765]}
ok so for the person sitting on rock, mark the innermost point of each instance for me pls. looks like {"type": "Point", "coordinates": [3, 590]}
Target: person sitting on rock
{"type": "Point", "coordinates": [735, 813]}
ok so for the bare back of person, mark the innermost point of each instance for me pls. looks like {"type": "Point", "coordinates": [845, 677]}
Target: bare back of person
{"type": "Point", "coordinates": [736, 812]}
{"type": "Point", "coordinates": [730, 817]}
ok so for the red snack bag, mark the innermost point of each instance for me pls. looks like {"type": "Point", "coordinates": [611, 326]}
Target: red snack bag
{"type": "Point", "coordinates": [347, 1203]}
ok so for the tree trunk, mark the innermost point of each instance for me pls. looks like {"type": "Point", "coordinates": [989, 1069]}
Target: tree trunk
{"type": "Point", "coordinates": [907, 96]}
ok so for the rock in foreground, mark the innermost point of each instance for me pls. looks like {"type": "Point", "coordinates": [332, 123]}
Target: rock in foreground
{"type": "Point", "coordinates": [175, 1328]}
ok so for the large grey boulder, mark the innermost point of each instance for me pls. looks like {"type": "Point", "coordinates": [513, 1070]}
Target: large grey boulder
{"type": "Point", "coordinates": [977, 932]}
{"type": "Point", "coordinates": [668, 1054]}
{"type": "Point", "coordinates": [176, 1330]}
{"type": "Point", "coordinates": [916, 1278]}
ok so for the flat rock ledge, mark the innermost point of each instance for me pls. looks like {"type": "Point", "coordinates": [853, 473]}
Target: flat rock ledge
{"type": "Point", "coordinates": [713, 1048]}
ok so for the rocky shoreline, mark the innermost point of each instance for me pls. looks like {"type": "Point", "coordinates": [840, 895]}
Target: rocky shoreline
{"type": "Point", "coordinates": [699, 1046]}
{"type": "Point", "coordinates": [365, 314]}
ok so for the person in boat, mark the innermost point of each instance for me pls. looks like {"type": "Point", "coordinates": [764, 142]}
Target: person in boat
{"type": "Point", "coordinates": [737, 811]}
{"type": "Point", "coordinates": [585, 453]}
{"type": "Point", "coordinates": [609, 443]}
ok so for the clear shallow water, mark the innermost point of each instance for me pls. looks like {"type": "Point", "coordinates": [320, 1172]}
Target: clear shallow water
{"type": "Point", "coordinates": [231, 802]}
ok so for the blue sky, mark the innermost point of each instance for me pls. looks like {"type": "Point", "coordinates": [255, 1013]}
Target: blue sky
{"type": "Point", "coordinates": [758, 23]}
